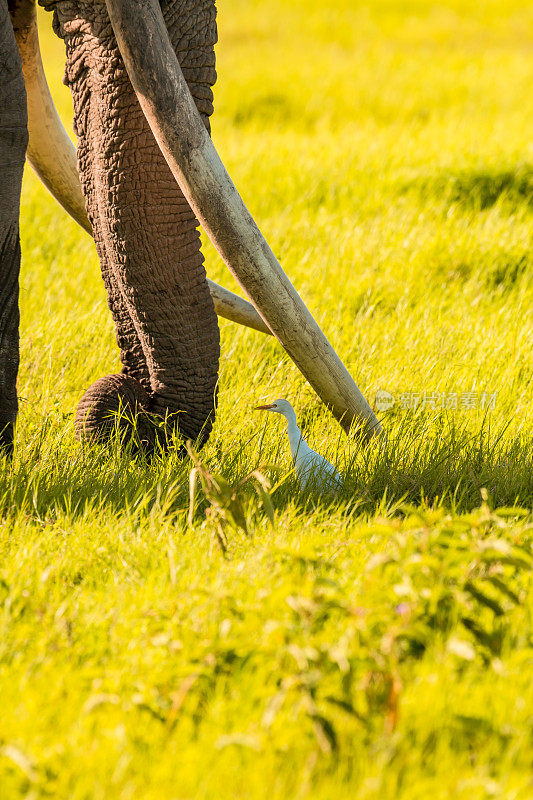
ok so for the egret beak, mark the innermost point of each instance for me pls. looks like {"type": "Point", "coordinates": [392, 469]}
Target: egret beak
{"type": "Point", "coordinates": [264, 408]}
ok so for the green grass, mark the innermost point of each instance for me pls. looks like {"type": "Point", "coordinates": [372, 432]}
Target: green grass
{"type": "Point", "coordinates": [380, 645]}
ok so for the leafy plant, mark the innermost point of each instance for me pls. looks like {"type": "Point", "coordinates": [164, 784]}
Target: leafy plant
{"type": "Point", "coordinates": [227, 505]}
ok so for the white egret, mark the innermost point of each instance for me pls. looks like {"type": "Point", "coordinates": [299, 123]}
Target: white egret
{"type": "Point", "coordinates": [312, 470]}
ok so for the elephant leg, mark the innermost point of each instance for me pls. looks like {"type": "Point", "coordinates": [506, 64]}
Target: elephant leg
{"type": "Point", "coordinates": [145, 232]}
{"type": "Point", "coordinates": [13, 142]}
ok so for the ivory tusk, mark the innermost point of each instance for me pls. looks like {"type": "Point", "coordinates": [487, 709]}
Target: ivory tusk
{"type": "Point", "coordinates": [235, 308]}
{"type": "Point", "coordinates": [174, 119]}
{"type": "Point", "coordinates": [50, 151]}
{"type": "Point", "coordinates": [53, 157]}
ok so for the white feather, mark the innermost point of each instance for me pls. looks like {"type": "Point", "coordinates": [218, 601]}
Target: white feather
{"type": "Point", "coordinates": [312, 470]}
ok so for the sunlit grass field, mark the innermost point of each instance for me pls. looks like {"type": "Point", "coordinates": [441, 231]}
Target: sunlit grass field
{"type": "Point", "coordinates": [261, 643]}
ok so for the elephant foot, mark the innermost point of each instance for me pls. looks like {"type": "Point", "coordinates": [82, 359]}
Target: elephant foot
{"type": "Point", "coordinates": [116, 402]}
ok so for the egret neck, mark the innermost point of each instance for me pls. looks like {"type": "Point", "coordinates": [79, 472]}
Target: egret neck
{"type": "Point", "coordinates": [294, 432]}
{"type": "Point", "coordinates": [312, 469]}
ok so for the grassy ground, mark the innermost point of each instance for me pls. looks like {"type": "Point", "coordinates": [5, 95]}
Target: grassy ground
{"type": "Point", "coordinates": [380, 646]}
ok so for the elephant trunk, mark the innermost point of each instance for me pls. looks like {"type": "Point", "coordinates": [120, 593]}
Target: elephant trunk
{"type": "Point", "coordinates": [145, 232]}
{"type": "Point", "coordinates": [161, 87]}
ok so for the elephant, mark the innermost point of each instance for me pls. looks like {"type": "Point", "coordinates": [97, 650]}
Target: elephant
{"type": "Point", "coordinates": [141, 74]}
